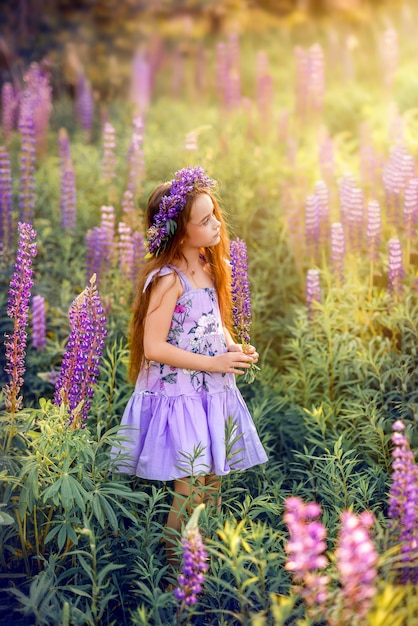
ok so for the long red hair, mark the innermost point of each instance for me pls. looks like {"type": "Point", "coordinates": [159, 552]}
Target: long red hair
{"type": "Point", "coordinates": [217, 257]}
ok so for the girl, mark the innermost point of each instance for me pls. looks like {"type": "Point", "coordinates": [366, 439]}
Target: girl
{"type": "Point", "coordinates": [183, 358]}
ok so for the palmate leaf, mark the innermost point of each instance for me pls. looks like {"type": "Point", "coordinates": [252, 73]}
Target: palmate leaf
{"type": "Point", "coordinates": [66, 490]}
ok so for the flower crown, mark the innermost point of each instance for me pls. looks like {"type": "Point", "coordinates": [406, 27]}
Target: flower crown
{"type": "Point", "coordinates": [164, 225]}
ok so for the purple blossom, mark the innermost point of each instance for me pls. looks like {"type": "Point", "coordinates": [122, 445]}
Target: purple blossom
{"type": "Point", "coordinates": [194, 562]}
{"type": "Point", "coordinates": [395, 270]}
{"type": "Point", "coordinates": [337, 250]}
{"type": "Point", "coordinates": [6, 193]}
{"type": "Point", "coordinates": [17, 309]}
{"type": "Point", "coordinates": [84, 104]}
{"type": "Point", "coordinates": [141, 82]}
{"type": "Point", "coordinates": [94, 257]}
{"type": "Point", "coordinates": [410, 207]}
{"type": "Point", "coordinates": [345, 189]}
{"type": "Point", "coordinates": [27, 167]}
{"type": "Point", "coordinates": [403, 504]}
{"type": "Point", "coordinates": [164, 224]}
{"type": "Point", "coordinates": [9, 102]}
{"type": "Point", "coordinates": [356, 559]}
{"type": "Point", "coordinates": [38, 96]}
{"type": "Point", "coordinates": [240, 289]}
{"type": "Point", "coordinates": [136, 158]}
{"type": "Point", "coordinates": [312, 224]}
{"type": "Point", "coordinates": [355, 218]}
{"type": "Point", "coordinates": [64, 149]}
{"type": "Point", "coordinates": [80, 366]}
{"type": "Point", "coordinates": [228, 75]}
{"type": "Point", "coordinates": [321, 192]}
{"type": "Point", "coordinates": [125, 247]}
{"type": "Point", "coordinates": [38, 323]}
{"type": "Point", "coordinates": [374, 229]}
{"type": "Point", "coordinates": [109, 147]}
{"type": "Point", "coordinates": [305, 549]}
{"type": "Point", "coordinates": [313, 291]}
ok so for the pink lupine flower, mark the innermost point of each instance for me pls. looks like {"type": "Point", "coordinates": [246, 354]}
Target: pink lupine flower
{"type": "Point", "coordinates": [356, 559]}
{"type": "Point", "coordinates": [395, 271]}
{"type": "Point", "coordinates": [337, 250]}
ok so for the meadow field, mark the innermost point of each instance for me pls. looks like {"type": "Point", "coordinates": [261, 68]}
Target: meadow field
{"type": "Point", "coordinates": [310, 127]}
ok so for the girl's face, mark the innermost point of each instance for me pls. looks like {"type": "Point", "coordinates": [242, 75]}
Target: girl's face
{"type": "Point", "coordinates": [203, 229]}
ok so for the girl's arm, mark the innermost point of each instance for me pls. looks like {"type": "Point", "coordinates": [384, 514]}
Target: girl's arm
{"type": "Point", "coordinates": [164, 295]}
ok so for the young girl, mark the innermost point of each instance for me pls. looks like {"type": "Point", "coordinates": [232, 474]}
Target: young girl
{"type": "Point", "coordinates": [183, 358]}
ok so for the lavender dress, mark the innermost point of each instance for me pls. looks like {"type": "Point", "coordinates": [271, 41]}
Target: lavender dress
{"type": "Point", "coordinates": [175, 415]}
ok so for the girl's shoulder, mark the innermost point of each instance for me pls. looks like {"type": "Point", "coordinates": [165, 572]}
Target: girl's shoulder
{"type": "Point", "coordinates": [166, 270]}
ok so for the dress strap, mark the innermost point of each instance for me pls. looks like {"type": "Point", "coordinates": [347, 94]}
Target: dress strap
{"type": "Point", "coordinates": [164, 271]}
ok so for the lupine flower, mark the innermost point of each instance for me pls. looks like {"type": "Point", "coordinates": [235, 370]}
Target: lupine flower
{"type": "Point", "coordinates": [355, 218]}
{"type": "Point", "coordinates": [27, 165]}
{"type": "Point", "coordinates": [345, 189]}
{"type": "Point", "coordinates": [18, 308]}
{"type": "Point", "coordinates": [316, 78]}
{"type": "Point", "coordinates": [395, 272]}
{"type": "Point", "coordinates": [84, 104]}
{"type": "Point", "coordinates": [410, 207]}
{"type": "Point", "coordinates": [321, 192]}
{"type": "Point", "coordinates": [38, 323]}
{"type": "Point", "coordinates": [128, 209]}
{"type": "Point", "coordinates": [38, 92]}
{"type": "Point", "coordinates": [5, 198]}
{"type": "Point", "coordinates": [136, 159]}
{"type": "Point", "coordinates": [107, 226]}
{"type": "Point", "coordinates": [9, 102]}
{"type": "Point", "coordinates": [80, 366]}
{"type": "Point", "coordinates": [141, 82]}
{"type": "Point", "coordinates": [374, 228]}
{"type": "Point", "coordinates": [194, 561]}
{"type": "Point", "coordinates": [94, 257]}
{"type": "Point", "coordinates": [403, 504]}
{"type": "Point", "coordinates": [313, 291]}
{"type": "Point", "coordinates": [64, 149]}
{"type": "Point", "coordinates": [356, 559]}
{"type": "Point", "coordinates": [312, 224]}
{"type": "Point", "coordinates": [337, 250]}
{"type": "Point", "coordinates": [109, 146]}
{"type": "Point", "coordinates": [240, 288]}
{"type": "Point", "coordinates": [126, 250]}
{"type": "Point", "coordinates": [326, 158]}
{"type": "Point", "coordinates": [305, 549]}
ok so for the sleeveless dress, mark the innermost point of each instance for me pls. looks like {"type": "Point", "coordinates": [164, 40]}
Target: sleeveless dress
{"type": "Point", "coordinates": [178, 419]}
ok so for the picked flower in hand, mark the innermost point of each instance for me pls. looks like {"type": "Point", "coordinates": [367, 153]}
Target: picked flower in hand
{"type": "Point", "coordinates": [241, 300]}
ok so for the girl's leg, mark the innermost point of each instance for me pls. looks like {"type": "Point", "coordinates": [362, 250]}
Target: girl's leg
{"type": "Point", "coordinates": [212, 496]}
{"type": "Point", "coordinates": [187, 494]}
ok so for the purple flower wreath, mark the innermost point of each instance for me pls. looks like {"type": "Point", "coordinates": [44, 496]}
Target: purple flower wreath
{"type": "Point", "coordinates": [164, 223]}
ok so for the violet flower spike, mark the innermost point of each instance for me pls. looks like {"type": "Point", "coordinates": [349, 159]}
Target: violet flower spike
{"type": "Point", "coordinates": [305, 549]}
{"type": "Point", "coordinates": [80, 366]}
{"type": "Point", "coordinates": [6, 194]}
{"type": "Point", "coordinates": [18, 308]}
{"type": "Point", "coordinates": [395, 270]}
{"type": "Point", "coordinates": [194, 562]}
{"type": "Point", "coordinates": [38, 323]}
{"type": "Point", "coordinates": [403, 505]}
{"type": "Point", "coordinates": [313, 292]}
{"type": "Point", "coordinates": [356, 559]}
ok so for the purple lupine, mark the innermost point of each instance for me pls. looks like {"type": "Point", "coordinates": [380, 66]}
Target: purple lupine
{"type": "Point", "coordinates": [17, 309]}
{"type": "Point", "coordinates": [136, 159]}
{"type": "Point", "coordinates": [312, 224]}
{"type": "Point", "coordinates": [321, 192]}
{"type": "Point", "coordinates": [374, 229]}
{"type": "Point", "coordinates": [38, 323]}
{"type": "Point", "coordinates": [80, 365]}
{"type": "Point", "coordinates": [107, 227]}
{"type": "Point", "coordinates": [305, 550]}
{"type": "Point", "coordinates": [68, 197]}
{"type": "Point", "coordinates": [356, 559]}
{"type": "Point", "coordinates": [139, 253]}
{"type": "Point", "coordinates": [141, 82]}
{"type": "Point", "coordinates": [194, 561]}
{"type": "Point", "coordinates": [109, 146]}
{"type": "Point", "coordinates": [27, 165]}
{"type": "Point", "coordinates": [410, 207]}
{"type": "Point", "coordinates": [355, 218]}
{"type": "Point", "coordinates": [64, 149]}
{"type": "Point", "coordinates": [94, 257]}
{"type": "Point", "coordinates": [395, 269]}
{"type": "Point", "coordinates": [345, 188]}
{"type": "Point", "coordinates": [337, 250]}
{"type": "Point", "coordinates": [403, 504]}
{"type": "Point", "coordinates": [313, 291]}
{"type": "Point", "coordinates": [125, 247]}
{"type": "Point", "coordinates": [316, 78]}
{"type": "Point", "coordinates": [240, 289]}
{"type": "Point", "coordinates": [84, 104]}
{"type": "Point", "coordinates": [128, 209]}
{"type": "Point", "coordinates": [9, 102]}
{"type": "Point", "coordinates": [39, 92]}
{"type": "Point", "coordinates": [6, 193]}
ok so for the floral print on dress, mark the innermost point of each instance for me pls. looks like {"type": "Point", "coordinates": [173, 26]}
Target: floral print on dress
{"type": "Point", "coordinates": [181, 312]}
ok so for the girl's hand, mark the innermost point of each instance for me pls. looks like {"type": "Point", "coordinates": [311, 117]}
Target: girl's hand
{"type": "Point", "coordinates": [231, 362]}
{"type": "Point", "coordinates": [247, 349]}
